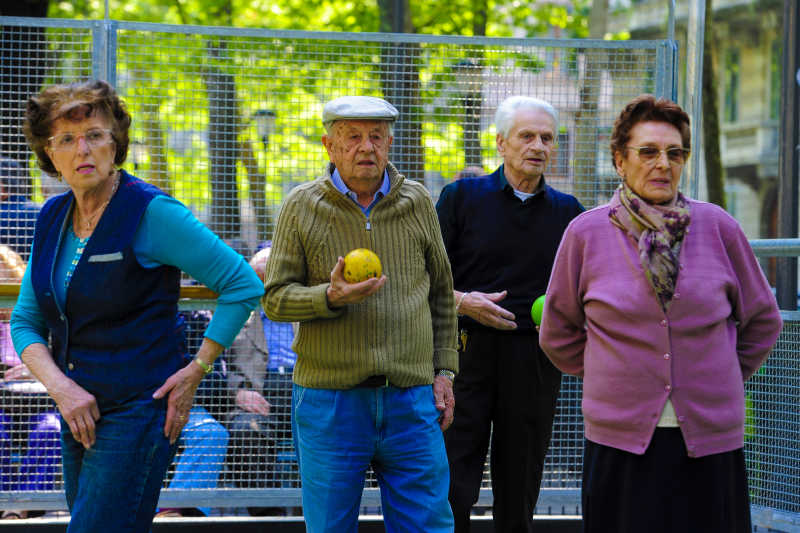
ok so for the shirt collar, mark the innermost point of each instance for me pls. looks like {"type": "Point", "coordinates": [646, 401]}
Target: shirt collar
{"type": "Point", "coordinates": [339, 183]}
{"type": "Point", "coordinates": [506, 186]}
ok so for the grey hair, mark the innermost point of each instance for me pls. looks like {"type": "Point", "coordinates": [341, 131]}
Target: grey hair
{"type": "Point", "coordinates": [329, 126]}
{"type": "Point", "coordinates": [504, 117]}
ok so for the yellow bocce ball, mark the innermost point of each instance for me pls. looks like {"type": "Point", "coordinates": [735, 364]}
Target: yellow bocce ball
{"type": "Point", "coordinates": [361, 264]}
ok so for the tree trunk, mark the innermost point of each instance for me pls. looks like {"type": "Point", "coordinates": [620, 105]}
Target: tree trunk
{"type": "Point", "coordinates": [715, 173]}
{"type": "Point", "coordinates": [399, 73]}
{"type": "Point", "coordinates": [473, 99]}
{"type": "Point", "coordinates": [586, 179]}
{"type": "Point", "coordinates": [223, 125]}
{"type": "Point", "coordinates": [258, 189]}
{"type": "Point", "coordinates": [154, 141]}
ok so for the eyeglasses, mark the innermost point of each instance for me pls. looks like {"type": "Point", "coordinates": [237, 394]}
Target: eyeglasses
{"type": "Point", "coordinates": [650, 154]}
{"type": "Point", "coordinates": [95, 137]}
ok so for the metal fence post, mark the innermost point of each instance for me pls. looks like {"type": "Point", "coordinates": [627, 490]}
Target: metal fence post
{"type": "Point", "coordinates": [695, 35]}
{"type": "Point", "coordinates": [790, 143]}
{"type": "Point", "coordinates": [104, 51]}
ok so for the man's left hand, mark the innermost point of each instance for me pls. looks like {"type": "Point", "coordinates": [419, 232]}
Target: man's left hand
{"type": "Point", "coordinates": [445, 400]}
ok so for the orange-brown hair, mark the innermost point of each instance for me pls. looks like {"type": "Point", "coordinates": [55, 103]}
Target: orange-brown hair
{"type": "Point", "coordinates": [648, 108]}
{"type": "Point", "coordinates": [75, 102]}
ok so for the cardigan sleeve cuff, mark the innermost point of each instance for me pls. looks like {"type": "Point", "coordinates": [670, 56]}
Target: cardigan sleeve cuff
{"type": "Point", "coordinates": [446, 358]}
{"type": "Point", "coordinates": [319, 301]}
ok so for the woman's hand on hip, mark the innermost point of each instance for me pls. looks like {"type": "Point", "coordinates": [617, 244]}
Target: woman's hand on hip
{"type": "Point", "coordinates": [79, 409]}
{"type": "Point", "coordinates": [181, 387]}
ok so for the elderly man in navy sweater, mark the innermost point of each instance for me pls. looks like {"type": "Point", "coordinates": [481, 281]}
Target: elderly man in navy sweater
{"type": "Point", "coordinates": [502, 232]}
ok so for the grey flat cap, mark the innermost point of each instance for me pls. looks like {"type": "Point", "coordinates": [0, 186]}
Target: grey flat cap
{"type": "Point", "coordinates": [358, 108]}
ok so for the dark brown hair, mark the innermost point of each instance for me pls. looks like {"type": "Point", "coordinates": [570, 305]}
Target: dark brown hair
{"type": "Point", "coordinates": [647, 108]}
{"type": "Point", "coordinates": [75, 102]}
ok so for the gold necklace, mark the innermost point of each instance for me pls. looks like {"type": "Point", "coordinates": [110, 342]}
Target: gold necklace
{"type": "Point", "coordinates": [100, 209]}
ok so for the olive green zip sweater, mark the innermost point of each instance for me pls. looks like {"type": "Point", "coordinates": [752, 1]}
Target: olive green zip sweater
{"type": "Point", "coordinates": [405, 330]}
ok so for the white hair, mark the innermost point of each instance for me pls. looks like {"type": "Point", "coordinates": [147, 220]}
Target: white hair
{"type": "Point", "coordinates": [504, 117]}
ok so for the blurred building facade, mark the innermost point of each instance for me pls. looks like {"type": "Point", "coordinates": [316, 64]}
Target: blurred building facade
{"type": "Point", "coordinates": [748, 48]}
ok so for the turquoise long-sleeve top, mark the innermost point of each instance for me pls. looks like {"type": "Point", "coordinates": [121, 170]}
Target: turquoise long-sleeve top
{"type": "Point", "coordinates": [169, 234]}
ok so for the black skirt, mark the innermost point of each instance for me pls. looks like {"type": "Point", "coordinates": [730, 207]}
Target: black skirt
{"type": "Point", "coordinates": [664, 490]}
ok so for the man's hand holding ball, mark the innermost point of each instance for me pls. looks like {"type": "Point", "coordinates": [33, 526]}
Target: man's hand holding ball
{"type": "Point", "coordinates": [354, 278]}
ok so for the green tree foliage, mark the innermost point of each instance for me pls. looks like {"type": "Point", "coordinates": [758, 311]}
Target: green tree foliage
{"type": "Point", "coordinates": [498, 18]}
{"type": "Point", "coordinates": [294, 77]}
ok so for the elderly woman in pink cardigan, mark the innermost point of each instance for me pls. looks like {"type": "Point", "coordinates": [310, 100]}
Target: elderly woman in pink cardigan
{"type": "Point", "coordinates": [658, 303]}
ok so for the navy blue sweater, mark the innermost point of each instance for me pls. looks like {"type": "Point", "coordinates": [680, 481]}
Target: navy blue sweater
{"type": "Point", "coordinates": [497, 242]}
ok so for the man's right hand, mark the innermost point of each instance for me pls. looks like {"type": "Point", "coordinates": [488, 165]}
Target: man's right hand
{"type": "Point", "coordinates": [482, 307]}
{"type": "Point", "coordinates": [341, 293]}
{"type": "Point", "coordinates": [252, 402]}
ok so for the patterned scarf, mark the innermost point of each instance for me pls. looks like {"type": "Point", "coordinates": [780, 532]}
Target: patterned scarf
{"type": "Point", "coordinates": [659, 230]}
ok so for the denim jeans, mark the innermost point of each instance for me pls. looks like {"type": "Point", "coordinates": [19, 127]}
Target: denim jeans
{"type": "Point", "coordinates": [340, 433]}
{"type": "Point", "coordinates": [115, 484]}
{"type": "Point", "coordinates": [205, 444]}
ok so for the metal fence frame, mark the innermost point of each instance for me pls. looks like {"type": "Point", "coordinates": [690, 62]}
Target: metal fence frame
{"type": "Point", "coordinates": [553, 500]}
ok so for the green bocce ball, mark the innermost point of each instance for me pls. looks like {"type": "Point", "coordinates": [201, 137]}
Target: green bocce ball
{"type": "Point", "coordinates": [536, 310]}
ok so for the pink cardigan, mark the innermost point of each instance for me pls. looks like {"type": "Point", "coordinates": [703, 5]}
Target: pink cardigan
{"type": "Point", "coordinates": [602, 322]}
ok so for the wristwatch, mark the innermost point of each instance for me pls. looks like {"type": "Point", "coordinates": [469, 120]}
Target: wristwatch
{"type": "Point", "coordinates": [449, 374]}
{"type": "Point", "coordinates": [207, 368]}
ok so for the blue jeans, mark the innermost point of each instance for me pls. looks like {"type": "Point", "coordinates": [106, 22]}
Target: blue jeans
{"type": "Point", "coordinates": [114, 485]}
{"type": "Point", "coordinates": [340, 433]}
{"type": "Point", "coordinates": [205, 445]}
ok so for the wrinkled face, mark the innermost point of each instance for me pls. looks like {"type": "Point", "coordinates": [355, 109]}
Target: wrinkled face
{"type": "Point", "coordinates": [359, 149]}
{"type": "Point", "coordinates": [529, 145]}
{"type": "Point", "coordinates": [82, 151]}
{"type": "Point", "coordinates": [654, 178]}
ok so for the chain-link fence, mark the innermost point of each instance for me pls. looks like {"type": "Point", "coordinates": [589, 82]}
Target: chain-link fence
{"type": "Point", "coordinates": [227, 121]}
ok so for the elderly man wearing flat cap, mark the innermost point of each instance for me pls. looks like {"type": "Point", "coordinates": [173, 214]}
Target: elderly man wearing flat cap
{"type": "Point", "coordinates": [375, 359]}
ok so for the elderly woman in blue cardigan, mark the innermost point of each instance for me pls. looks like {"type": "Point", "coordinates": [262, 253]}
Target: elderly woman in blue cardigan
{"type": "Point", "coordinates": [103, 284]}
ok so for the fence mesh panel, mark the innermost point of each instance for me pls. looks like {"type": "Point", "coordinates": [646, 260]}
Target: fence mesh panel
{"type": "Point", "coordinates": [198, 102]}
{"type": "Point", "coordinates": [29, 58]}
{"type": "Point", "coordinates": [772, 431]}
{"type": "Point", "coordinates": [228, 121]}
